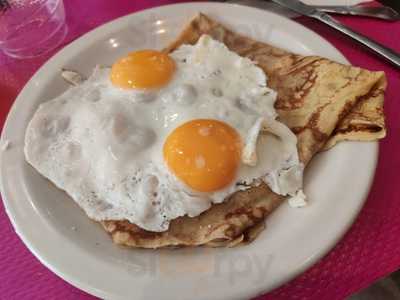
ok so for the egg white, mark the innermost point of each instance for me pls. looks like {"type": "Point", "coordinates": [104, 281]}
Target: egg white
{"type": "Point", "coordinates": [103, 145]}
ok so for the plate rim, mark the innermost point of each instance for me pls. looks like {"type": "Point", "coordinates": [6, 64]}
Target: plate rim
{"type": "Point", "coordinates": [18, 225]}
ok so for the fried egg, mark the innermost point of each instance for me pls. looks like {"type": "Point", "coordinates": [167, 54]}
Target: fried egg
{"type": "Point", "coordinates": [161, 136]}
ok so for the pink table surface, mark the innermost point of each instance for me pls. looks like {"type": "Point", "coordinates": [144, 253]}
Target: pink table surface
{"type": "Point", "coordinates": [369, 250]}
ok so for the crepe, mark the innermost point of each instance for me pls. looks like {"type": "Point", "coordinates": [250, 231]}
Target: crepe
{"type": "Point", "coordinates": [321, 101]}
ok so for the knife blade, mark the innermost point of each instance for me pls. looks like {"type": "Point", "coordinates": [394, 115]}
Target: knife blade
{"type": "Point", "coordinates": [304, 9]}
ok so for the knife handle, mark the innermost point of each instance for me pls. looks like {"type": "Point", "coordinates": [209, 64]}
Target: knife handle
{"type": "Point", "coordinates": [391, 55]}
{"type": "Point", "coordinates": [380, 12]}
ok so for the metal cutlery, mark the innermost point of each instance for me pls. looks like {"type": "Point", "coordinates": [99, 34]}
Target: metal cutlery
{"type": "Point", "coordinates": [380, 12]}
{"type": "Point", "coordinates": [307, 10]}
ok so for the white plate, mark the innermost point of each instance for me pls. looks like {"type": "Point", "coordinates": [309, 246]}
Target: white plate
{"type": "Point", "coordinates": [45, 218]}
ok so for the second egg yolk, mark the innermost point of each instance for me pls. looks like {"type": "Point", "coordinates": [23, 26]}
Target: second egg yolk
{"type": "Point", "coordinates": [204, 154]}
{"type": "Point", "coordinates": [145, 69]}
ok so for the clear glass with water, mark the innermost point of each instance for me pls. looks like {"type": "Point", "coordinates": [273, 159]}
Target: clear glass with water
{"type": "Point", "coordinates": [29, 28]}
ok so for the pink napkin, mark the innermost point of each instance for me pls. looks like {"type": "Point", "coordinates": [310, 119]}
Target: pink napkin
{"type": "Point", "coordinates": [371, 248]}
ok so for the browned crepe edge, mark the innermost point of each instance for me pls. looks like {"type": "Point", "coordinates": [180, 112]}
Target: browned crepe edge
{"type": "Point", "coordinates": [239, 218]}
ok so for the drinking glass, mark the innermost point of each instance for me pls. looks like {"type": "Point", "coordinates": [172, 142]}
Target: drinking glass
{"type": "Point", "coordinates": [29, 28]}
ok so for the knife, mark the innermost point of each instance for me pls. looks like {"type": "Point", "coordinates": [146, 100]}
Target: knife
{"type": "Point", "coordinates": [307, 10]}
{"type": "Point", "coordinates": [380, 12]}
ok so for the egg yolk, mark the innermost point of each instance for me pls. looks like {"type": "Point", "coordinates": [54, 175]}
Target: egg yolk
{"type": "Point", "coordinates": [143, 69]}
{"type": "Point", "coordinates": [204, 154]}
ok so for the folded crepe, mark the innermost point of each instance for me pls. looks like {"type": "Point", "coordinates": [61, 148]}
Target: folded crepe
{"type": "Point", "coordinates": [321, 101]}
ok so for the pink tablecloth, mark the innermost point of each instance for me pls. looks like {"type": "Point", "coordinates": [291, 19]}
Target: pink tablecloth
{"type": "Point", "coordinates": [371, 249]}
